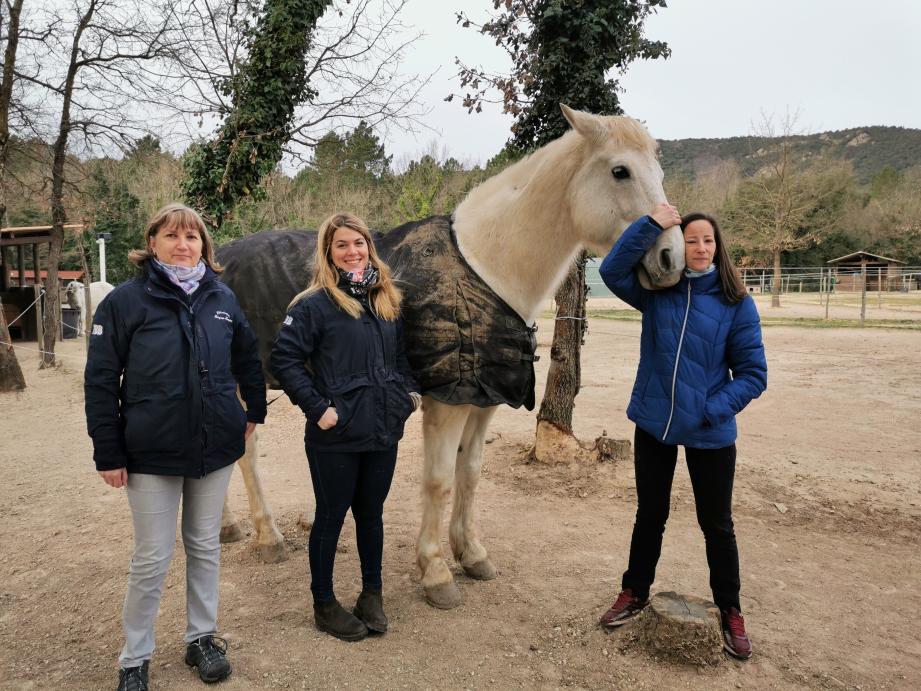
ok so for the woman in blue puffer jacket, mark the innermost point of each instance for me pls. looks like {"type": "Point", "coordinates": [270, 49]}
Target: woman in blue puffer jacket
{"type": "Point", "coordinates": [701, 362]}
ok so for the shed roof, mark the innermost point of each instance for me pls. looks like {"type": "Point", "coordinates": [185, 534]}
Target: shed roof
{"type": "Point", "coordinates": [858, 256]}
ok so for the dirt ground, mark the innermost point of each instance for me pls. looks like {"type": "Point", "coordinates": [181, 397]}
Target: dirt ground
{"type": "Point", "coordinates": [828, 517]}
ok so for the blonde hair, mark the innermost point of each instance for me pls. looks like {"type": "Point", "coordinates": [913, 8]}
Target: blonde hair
{"type": "Point", "coordinates": [171, 216]}
{"type": "Point", "coordinates": [384, 297]}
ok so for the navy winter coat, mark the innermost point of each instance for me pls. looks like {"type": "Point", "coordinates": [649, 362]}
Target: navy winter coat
{"type": "Point", "coordinates": [324, 357]}
{"type": "Point", "coordinates": [161, 377]}
{"type": "Point", "coordinates": [701, 358]}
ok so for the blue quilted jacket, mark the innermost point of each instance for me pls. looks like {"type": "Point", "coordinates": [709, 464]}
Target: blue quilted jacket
{"type": "Point", "coordinates": [701, 358]}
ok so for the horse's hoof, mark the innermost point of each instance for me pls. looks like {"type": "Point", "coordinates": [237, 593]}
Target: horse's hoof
{"type": "Point", "coordinates": [272, 553]}
{"type": "Point", "coordinates": [483, 570]}
{"type": "Point", "coordinates": [443, 595]}
{"type": "Point", "coordinates": [231, 533]}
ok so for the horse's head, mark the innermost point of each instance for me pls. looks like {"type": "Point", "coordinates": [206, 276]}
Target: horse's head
{"type": "Point", "coordinates": [72, 289]}
{"type": "Point", "coordinates": [617, 180]}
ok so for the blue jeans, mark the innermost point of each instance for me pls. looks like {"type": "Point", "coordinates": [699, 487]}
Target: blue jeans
{"type": "Point", "coordinates": [358, 480]}
{"type": "Point", "coordinates": [712, 472]}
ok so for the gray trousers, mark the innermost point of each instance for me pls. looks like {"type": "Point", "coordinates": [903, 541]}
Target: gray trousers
{"type": "Point", "coordinates": [154, 501]}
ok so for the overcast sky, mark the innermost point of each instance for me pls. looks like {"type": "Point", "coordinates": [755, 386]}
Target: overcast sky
{"type": "Point", "coordinates": [838, 63]}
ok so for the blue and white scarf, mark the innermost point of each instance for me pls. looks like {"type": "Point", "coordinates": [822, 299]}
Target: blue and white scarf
{"type": "Point", "coordinates": [690, 273]}
{"type": "Point", "coordinates": [186, 277]}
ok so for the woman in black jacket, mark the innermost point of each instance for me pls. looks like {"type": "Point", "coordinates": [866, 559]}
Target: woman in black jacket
{"type": "Point", "coordinates": [339, 356]}
{"type": "Point", "coordinates": [167, 352]}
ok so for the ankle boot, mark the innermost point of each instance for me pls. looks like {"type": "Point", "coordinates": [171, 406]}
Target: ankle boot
{"type": "Point", "coordinates": [370, 609]}
{"type": "Point", "coordinates": [336, 621]}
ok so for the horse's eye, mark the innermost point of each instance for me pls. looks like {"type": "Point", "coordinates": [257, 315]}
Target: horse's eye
{"type": "Point", "coordinates": [620, 173]}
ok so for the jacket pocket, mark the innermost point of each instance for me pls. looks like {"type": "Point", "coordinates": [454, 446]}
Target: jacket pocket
{"type": "Point", "coordinates": [399, 407]}
{"type": "Point", "coordinates": [354, 404]}
{"type": "Point", "coordinates": [226, 421]}
{"type": "Point", "coordinates": [156, 416]}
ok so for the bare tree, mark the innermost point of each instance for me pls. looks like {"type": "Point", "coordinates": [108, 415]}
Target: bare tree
{"type": "Point", "coordinates": [103, 43]}
{"type": "Point", "coordinates": [352, 69]}
{"type": "Point", "coordinates": [788, 204]}
{"type": "Point", "coordinates": [11, 378]}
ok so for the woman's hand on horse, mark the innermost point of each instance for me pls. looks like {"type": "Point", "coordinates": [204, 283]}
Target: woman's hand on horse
{"type": "Point", "coordinates": [250, 428]}
{"type": "Point", "coordinates": [666, 215]}
{"type": "Point", "coordinates": [329, 419]}
{"type": "Point", "coordinates": [115, 478]}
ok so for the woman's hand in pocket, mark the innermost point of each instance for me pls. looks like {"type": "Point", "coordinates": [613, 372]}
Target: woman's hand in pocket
{"type": "Point", "coordinates": [329, 419]}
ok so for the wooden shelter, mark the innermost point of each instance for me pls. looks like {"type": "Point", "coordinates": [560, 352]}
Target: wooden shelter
{"type": "Point", "coordinates": [17, 245]}
{"type": "Point", "coordinates": [882, 273]}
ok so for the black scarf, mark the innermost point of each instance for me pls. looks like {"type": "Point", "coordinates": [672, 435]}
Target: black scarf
{"type": "Point", "coordinates": [358, 288]}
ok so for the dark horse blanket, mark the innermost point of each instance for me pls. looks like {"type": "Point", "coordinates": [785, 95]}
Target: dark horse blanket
{"type": "Point", "coordinates": [465, 344]}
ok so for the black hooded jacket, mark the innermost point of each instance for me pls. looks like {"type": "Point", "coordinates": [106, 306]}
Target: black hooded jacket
{"type": "Point", "coordinates": [161, 377]}
{"type": "Point", "coordinates": [324, 357]}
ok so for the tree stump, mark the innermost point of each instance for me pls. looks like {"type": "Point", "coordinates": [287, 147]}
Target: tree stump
{"type": "Point", "coordinates": [681, 628]}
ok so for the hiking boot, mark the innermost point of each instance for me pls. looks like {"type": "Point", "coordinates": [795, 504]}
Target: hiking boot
{"type": "Point", "coordinates": [370, 609]}
{"type": "Point", "coordinates": [209, 654]}
{"type": "Point", "coordinates": [133, 678]}
{"type": "Point", "coordinates": [625, 608]}
{"type": "Point", "coordinates": [336, 621]}
{"type": "Point", "coordinates": [735, 640]}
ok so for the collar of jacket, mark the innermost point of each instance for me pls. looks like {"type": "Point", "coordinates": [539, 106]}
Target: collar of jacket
{"type": "Point", "coordinates": [709, 283]}
{"type": "Point", "coordinates": [158, 283]}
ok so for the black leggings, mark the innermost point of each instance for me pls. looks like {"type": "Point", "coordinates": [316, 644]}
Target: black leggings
{"type": "Point", "coordinates": [712, 472]}
{"type": "Point", "coordinates": [360, 480]}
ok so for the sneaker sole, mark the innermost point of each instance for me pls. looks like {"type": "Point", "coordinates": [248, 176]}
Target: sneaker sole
{"type": "Point", "coordinates": [209, 680]}
{"type": "Point", "coordinates": [734, 653]}
{"type": "Point", "coordinates": [623, 620]}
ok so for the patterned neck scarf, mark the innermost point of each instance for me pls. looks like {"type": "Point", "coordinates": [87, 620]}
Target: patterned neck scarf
{"type": "Point", "coordinates": [697, 274]}
{"type": "Point", "coordinates": [355, 286]}
{"type": "Point", "coordinates": [186, 277]}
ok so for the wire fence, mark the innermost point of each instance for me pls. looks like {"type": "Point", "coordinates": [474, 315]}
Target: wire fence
{"type": "Point", "coordinates": [804, 279]}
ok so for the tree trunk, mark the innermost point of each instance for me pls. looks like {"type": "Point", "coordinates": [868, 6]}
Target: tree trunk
{"type": "Point", "coordinates": [555, 441]}
{"type": "Point", "coordinates": [11, 378]}
{"type": "Point", "coordinates": [58, 214]}
{"type": "Point", "coordinates": [776, 283]}
{"type": "Point", "coordinates": [6, 95]}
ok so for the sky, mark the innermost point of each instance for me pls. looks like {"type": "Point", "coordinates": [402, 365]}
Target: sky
{"type": "Point", "coordinates": [835, 64]}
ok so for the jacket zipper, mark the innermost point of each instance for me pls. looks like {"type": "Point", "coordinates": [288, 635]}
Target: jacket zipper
{"type": "Point", "coordinates": [684, 325]}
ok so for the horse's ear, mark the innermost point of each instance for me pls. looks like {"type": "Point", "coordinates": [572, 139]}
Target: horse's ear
{"type": "Point", "coordinates": [586, 124]}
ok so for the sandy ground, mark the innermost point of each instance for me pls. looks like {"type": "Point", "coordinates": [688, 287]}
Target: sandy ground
{"type": "Point", "coordinates": [828, 516]}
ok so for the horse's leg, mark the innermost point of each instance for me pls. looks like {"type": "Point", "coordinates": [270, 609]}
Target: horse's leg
{"type": "Point", "coordinates": [269, 542]}
{"type": "Point", "coordinates": [230, 529]}
{"type": "Point", "coordinates": [442, 426]}
{"type": "Point", "coordinates": [465, 544]}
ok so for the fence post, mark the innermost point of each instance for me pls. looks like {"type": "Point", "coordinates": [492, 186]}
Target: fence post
{"type": "Point", "coordinates": [879, 287]}
{"type": "Point", "coordinates": [39, 330]}
{"type": "Point", "coordinates": [863, 292]}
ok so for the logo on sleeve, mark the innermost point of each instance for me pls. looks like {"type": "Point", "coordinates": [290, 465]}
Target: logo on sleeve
{"type": "Point", "coordinates": [288, 321]}
{"type": "Point", "coordinates": [97, 330]}
{"type": "Point", "coordinates": [223, 316]}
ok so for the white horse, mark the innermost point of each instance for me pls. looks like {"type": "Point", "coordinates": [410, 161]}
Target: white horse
{"type": "Point", "coordinates": [74, 293]}
{"type": "Point", "coordinates": [520, 231]}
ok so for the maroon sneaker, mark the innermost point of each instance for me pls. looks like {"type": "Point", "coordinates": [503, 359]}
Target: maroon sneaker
{"type": "Point", "coordinates": [625, 608]}
{"type": "Point", "coordinates": [735, 640]}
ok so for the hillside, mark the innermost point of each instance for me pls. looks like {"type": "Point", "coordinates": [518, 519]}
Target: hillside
{"type": "Point", "coordinates": [870, 149]}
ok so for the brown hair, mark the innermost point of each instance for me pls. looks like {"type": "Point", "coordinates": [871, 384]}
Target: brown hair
{"type": "Point", "coordinates": [176, 215]}
{"type": "Point", "coordinates": [733, 288]}
{"type": "Point", "coordinates": [384, 297]}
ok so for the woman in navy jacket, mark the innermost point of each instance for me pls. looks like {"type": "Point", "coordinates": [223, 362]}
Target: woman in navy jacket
{"type": "Point", "coordinates": [339, 356]}
{"type": "Point", "coordinates": [701, 362]}
{"type": "Point", "coordinates": [167, 352]}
